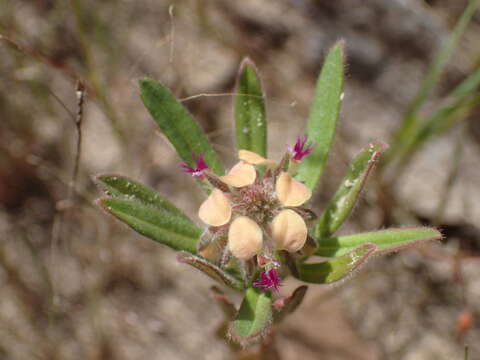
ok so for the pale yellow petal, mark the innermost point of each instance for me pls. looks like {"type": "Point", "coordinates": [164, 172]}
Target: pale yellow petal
{"type": "Point", "coordinates": [242, 174]}
{"type": "Point", "coordinates": [289, 230]}
{"type": "Point", "coordinates": [244, 238]}
{"type": "Point", "coordinates": [216, 209]}
{"type": "Point", "coordinates": [254, 159]}
{"type": "Point", "coordinates": [291, 192]}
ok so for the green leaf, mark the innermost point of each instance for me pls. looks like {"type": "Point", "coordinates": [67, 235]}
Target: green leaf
{"type": "Point", "coordinates": [323, 116]}
{"type": "Point", "coordinates": [178, 125]}
{"type": "Point", "coordinates": [122, 187]}
{"type": "Point", "coordinates": [291, 303]}
{"type": "Point", "coordinates": [156, 224]}
{"type": "Point", "coordinates": [253, 318]}
{"type": "Point", "coordinates": [344, 199]}
{"type": "Point", "coordinates": [210, 269]}
{"type": "Point", "coordinates": [386, 240]}
{"type": "Point", "coordinates": [336, 268]}
{"type": "Point", "coordinates": [250, 119]}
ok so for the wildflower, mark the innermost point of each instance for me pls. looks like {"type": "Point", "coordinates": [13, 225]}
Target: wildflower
{"type": "Point", "coordinates": [301, 148]}
{"type": "Point", "coordinates": [251, 215]}
{"type": "Point", "coordinates": [196, 172]}
{"type": "Point", "coordinates": [257, 214]}
{"type": "Point", "coordinates": [269, 280]}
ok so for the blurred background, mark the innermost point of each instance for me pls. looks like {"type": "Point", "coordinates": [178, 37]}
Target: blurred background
{"type": "Point", "coordinates": [75, 284]}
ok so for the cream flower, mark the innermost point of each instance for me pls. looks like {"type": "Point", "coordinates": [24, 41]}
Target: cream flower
{"type": "Point", "coordinates": [245, 238]}
{"type": "Point", "coordinates": [289, 231]}
{"type": "Point", "coordinates": [254, 159]}
{"type": "Point", "coordinates": [216, 210]}
{"type": "Point", "coordinates": [253, 203]}
{"type": "Point", "coordinates": [291, 192]}
{"type": "Point", "coordinates": [242, 174]}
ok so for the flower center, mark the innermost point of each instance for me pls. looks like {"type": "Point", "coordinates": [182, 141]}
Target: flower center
{"type": "Point", "coordinates": [258, 201]}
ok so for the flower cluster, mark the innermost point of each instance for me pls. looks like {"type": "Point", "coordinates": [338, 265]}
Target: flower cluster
{"type": "Point", "coordinates": [252, 215]}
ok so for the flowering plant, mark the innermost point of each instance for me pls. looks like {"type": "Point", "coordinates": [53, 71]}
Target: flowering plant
{"type": "Point", "coordinates": [259, 228]}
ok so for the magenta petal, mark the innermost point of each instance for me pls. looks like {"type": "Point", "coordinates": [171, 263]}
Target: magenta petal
{"type": "Point", "coordinates": [269, 280]}
{"type": "Point", "coordinates": [301, 148]}
{"type": "Point", "coordinates": [186, 168]}
{"type": "Point", "coordinates": [200, 164]}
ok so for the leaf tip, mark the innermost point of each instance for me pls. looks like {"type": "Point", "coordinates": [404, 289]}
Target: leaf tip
{"type": "Point", "coordinates": [144, 81]}
{"type": "Point", "coordinates": [98, 180]}
{"type": "Point", "coordinates": [183, 257]}
{"type": "Point", "coordinates": [100, 202]}
{"type": "Point", "coordinates": [246, 61]}
{"type": "Point", "coordinates": [436, 234]}
{"type": "Point", "coordinates": [340, 44]}
{"type": "Point", "coordinates": [433, 234]}
{"type": "Point", "coordinates": [104, 180]}
{"type": "Point", "coordinates": [101, 179]}
{"type": "Point", "coordinates": [379, 145]}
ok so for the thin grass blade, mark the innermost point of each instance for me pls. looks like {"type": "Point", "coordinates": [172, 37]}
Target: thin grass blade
{"type": "Point", "coordinates": [411, 118]}
{"type": "Point", "coordinates": [461, 101]}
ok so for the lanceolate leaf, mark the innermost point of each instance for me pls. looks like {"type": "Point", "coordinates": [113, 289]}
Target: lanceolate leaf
{"type": "Point", "coordinates": [344, 199]}
{"type": "Point", "coordinates": [250, 120]}
{"type": "Point", "coordinates": [178, 125]}
{"type": "Point", "coordinates": [210, 269]}
{"type": "Point", "coordinates": [337, 268]}
{"type": "Point", "coordinates": [386, 240]}
{"type": "Point", "coordinates": [323, 116]}
{"type": "Point", "coordinates": [291, 303]}
{"type": "Point", "coordinates": [253, 318]}
{"type": "Point", "coordinates": [156, 224]}
{"type": "Point", "coordinates": [124, 188]}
